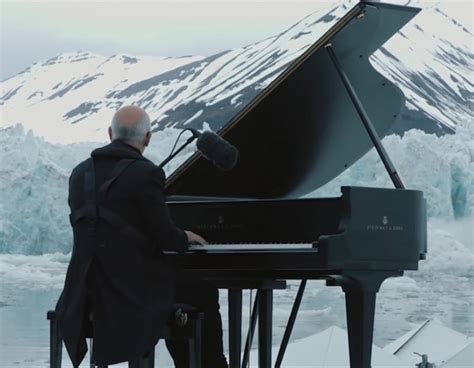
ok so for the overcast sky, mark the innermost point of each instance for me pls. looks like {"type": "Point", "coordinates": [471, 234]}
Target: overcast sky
{"type": "Point", "coordinates": [33, 31]}
{"type": "Point", "coordinates": [36, 30]}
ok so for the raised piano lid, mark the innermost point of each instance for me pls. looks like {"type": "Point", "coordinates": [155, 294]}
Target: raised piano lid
{"type": "Point", "coordinates": [303, 130]}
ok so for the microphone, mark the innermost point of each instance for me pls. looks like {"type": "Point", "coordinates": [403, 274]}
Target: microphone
{"type": "Point", "coordinates": [216, 149]}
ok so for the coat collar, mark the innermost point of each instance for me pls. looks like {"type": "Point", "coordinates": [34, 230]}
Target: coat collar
{"type": "Point", "coordinates": [118, 149]}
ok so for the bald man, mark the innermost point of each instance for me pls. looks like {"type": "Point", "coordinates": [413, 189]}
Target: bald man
{"type": "Point", "coordinates": [118, 277]}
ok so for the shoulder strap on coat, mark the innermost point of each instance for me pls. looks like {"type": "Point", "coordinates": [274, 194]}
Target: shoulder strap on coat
{"type": "Point", "coordinates": [91, 199]}
{"type": "Point", "coordinates": [116, 172]}
{"type": "Point", "coordinates": [94, 210]}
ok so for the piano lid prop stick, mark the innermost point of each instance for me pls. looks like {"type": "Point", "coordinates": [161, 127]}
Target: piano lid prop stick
{"type": "Point", "coordinates": [290, 324]}
{"type": "Point", "coordinates": [251, 331]}
{"type": "Point", "coordinates": [397, 181]}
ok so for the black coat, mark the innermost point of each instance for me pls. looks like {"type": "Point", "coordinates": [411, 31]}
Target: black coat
{"type": "Point", "coordinates": [125, 282]}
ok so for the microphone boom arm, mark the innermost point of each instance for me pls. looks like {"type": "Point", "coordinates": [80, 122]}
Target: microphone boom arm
{"type": "Point", "coordinates": [182, 147]}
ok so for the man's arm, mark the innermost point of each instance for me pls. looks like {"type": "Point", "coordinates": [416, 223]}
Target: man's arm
{"type": "Point", "coordinates": [166, 236]}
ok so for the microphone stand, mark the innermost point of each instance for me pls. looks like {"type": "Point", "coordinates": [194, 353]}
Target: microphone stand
{"type": "Point", "coordinates": [183, 146]}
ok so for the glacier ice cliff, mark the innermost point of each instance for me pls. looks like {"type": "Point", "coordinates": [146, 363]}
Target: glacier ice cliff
{"type": "Point", "coordinates": [34, 179]}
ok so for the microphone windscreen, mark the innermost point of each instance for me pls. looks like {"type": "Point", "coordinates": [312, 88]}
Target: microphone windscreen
{"type": "Point", "coordinates": [216, 149]}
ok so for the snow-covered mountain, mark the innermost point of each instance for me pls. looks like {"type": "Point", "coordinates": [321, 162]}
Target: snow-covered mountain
{"type": "Point", "coordinates": [65, 99]}
{"type": "Point", "coordinates": [71, 97]}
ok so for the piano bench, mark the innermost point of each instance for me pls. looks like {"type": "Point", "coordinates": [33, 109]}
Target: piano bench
{"type": "Point", "coordinates": [184, 324]}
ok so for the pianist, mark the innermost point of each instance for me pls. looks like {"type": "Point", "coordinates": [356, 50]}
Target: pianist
{"type": "Point", "coordinates": [118, 277]}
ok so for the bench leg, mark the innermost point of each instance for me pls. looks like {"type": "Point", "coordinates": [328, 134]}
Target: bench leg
{"type": "Point", "coordinates": [91, 358]}
{"type": "Point", "coordinates": [55, 345]}
{"type": "Point", "coordinates": [195, 345]}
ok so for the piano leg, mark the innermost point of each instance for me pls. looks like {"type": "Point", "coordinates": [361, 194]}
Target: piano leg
{"type": "Point", "coordinates": [360, 288]}
{"type": "Point", "coordinates": [360, 309]}
{"type": "Point", "coordinates": [265, 311]}
{"type": "Point", "coordinates": [235, 325]}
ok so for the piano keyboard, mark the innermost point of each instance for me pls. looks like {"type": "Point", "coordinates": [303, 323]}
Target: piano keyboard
{"type": "Point", "coordinates": [262, 246]}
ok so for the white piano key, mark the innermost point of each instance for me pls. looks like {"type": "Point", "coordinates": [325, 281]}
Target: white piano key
{"type": "Point", "coordinates": [262, 246]}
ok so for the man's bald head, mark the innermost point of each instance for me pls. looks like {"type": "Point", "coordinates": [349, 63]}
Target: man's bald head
{"type": "Point", "coordinates": [131, 124]}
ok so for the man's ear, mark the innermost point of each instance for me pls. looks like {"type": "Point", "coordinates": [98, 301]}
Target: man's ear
{"type": "Point", "coordinates": [146, 142]}
{"type": "Point", "coordinates": [110, 133]}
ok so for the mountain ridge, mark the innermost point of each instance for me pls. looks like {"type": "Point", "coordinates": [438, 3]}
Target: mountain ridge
{"type": "Point", "coordinates": [76, 93]}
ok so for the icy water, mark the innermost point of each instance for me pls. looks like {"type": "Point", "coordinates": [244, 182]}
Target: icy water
{"type": "Point", "coordinates": [442, 288]}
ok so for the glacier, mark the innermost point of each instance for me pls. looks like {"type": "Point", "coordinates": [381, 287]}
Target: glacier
{"type": "Point", "coordinates": [34, 180]}
{"type": "Point", "coordinates": [442, 167]}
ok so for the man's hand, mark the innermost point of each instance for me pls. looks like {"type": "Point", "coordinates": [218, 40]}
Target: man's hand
{"type": "Point", "coordinates": [194, 238]}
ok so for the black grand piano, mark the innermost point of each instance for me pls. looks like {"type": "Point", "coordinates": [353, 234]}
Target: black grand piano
{"type": "Point", "coordinates": [315, 120]}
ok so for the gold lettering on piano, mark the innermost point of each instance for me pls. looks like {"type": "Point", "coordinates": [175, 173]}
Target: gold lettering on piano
{"type": "Point", "coordinates": [384, 228]}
